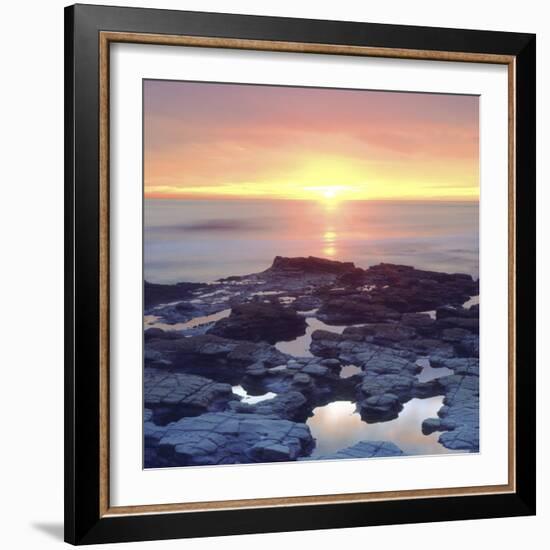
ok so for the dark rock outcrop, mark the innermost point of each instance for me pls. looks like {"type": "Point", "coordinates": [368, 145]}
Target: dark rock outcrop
{"type": "Point", "coordinates": [311, 265]}
{"type": "Point", "coordinates": [355, 308]}
{"type": "Point", "coordinates": [155, 294]}
{"type": "Point", "coordinates": [260, 322]}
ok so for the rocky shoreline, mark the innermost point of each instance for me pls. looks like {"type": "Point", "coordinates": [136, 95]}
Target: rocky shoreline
{"type": "Point", "coordinates": [202, 341]}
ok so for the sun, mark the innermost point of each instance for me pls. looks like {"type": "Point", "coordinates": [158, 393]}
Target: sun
{"type": "Point", "coordinates": [328, 193]}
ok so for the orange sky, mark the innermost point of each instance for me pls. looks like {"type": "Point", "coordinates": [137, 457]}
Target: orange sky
{"type": "Point", "coordinates": [204, 140]}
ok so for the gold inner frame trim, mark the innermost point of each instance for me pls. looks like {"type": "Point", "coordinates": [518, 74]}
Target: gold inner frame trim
{"type": "Point", "coordinates": [105, 39]}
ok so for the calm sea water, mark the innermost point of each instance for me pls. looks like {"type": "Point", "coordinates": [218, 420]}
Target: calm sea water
{"type": "Point", "coordinates": [203, 240]}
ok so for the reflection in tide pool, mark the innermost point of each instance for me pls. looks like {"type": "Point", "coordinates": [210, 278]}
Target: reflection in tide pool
{"type": "Point", "coordinates": [252, 399]}
{"type": "Point", "coordinates": [430, 373]}
{"type": "Point", "coordinates": [337, 425]}
{"type": "Point", "coordinates": [473, 301]}
{"type": "Point", "coordinates": [348, 371]}
{"type": "Point", "coordinates": [151, 321]}
{"type": "Point", "coordinates": [300, 346]}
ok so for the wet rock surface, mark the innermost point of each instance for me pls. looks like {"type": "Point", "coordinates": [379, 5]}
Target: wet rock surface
{"type": "Point", "coordinates": [290, 406]}
{"type": "Point", "coordinates": [229, 438]}
{"type": "Point", "coordinates": [365, 449]}
{"type": "Point", "coordinates": [155, 294]}
{"type": "Point", "coordinates": [206, 338]}
{"type": "Point", "coordinates": [459, 416]}
{"type": "Point", "coordinates": [221, 359]}
{"type": "Point", "coordinates": [172, 395]}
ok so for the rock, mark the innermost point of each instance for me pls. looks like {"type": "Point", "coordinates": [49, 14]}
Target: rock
{"type": "Point", "coordinates": [355, 309]}
{"type": "Point", "coordinates": [316, 370]}
{"type": "Point", "coordinates": [264, 308]}
{"type": "Point", "coordinates": [461, 407]}
{"type": "Point", "coordinates": [464, 366]}
{"type": "Point", "coordinates": [306, 303]}
{"type": "Point", "coordinates": [233, 438]}
{"type": "Point", "coordinates": [447, 312]}
{"type": "Point", "coordinates": [257, 322]}
{"type": "Point", "coordinates": [468, 347]}
{"type": "Point", "coordinates": [365, 449]}
{"type": "Point", "coordinates": [410, 290]}
{"type": "Point", "coordinates": [170, 396]}
{"type": "Point", "coordinates": [311, 264]}
{"type": "Point", "coordinates": [454, 334]}
{"type": "Point", "coordinates": [217, 358]}
{"type": "Point", "coordinates": [292, 405]}
{"type": "Point", "coordinates": [266, 451]}
{"type": "Point", "coordinates": [433, 348]}
{"type": "Point", "coordinates": [353, 278]}
{"type": "Point", "coordinates": [154, 358]}
{"type": "Point", "coordinates": [332, 364]}
{"type": "Point", "coordinates": [256, 370]}
{"type": "Point", "coordinates": [471, 325]}
{"type": "Point", "coordinates": [302, 379]}
{"type": "Point", "coordinates": [431, 425]}
{"type": "Point", "coordinates": [381, 333]}
{"type": "Point", "coordinates": [152, 333]}
{"type": "Point", "coordinates": [421, 322]}
{"type": "Point", "coordinates": [379, 359]}
{"type": "Point", "coordinates": [380, 408]}
{"type": "Point", "coordinates": [154, 294]}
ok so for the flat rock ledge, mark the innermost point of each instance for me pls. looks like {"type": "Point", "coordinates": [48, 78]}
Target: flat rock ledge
{"type": "Point", "coordinates": [292, 405]}
{"type": "Point", "coordinates": [365, 449]}
{"type": "Point", "coordinates": [459, 416]}
{"type": "Point", "coordinates": [214, 357]}
{"type": "Point", "coordinates": [229, 438]}
{"type": "Point", "coordinates": [172, 395]}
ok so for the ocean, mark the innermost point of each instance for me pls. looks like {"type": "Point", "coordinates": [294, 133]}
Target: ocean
{"type": "Point", "coordinates": [204, 240]}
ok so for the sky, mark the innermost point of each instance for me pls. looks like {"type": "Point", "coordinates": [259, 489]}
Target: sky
{"type": "Point", "coordinates": [209, 140]}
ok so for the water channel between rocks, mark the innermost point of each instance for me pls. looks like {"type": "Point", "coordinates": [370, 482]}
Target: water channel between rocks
{"type": "Point", "coordinates": [152, 321]}
{"type": "Point", "coordinates": [299, 347]}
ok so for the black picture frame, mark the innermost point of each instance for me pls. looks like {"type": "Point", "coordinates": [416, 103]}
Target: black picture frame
{"type": "Point", "coordinates": [84, 523]}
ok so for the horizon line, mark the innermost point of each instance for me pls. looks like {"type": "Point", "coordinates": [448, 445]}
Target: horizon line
{"type": "Point", "coordinates": [298, 199]}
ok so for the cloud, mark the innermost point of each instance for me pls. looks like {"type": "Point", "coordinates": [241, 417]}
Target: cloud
{"type": "Point", "coordinates": [225, 225]}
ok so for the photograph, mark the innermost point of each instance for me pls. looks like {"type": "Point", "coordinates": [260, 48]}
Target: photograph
{"type": "Point", "coordinates": [299, 273]}
{"type": "Point", "coordinates": [310, 274]}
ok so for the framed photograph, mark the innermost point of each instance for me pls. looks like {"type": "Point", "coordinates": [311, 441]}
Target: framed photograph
{"type": "Point", "coordinates": [300, 274]}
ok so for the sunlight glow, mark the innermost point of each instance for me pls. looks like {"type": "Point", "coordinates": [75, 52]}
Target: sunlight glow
{"type": "Point", "coordinates": [232, 141]}
{"type": "Point", "coordinates": [313, 179]}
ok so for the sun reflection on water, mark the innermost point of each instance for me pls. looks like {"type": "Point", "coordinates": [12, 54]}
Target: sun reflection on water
{"type": "Point", "coordinates": [329, 242]}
